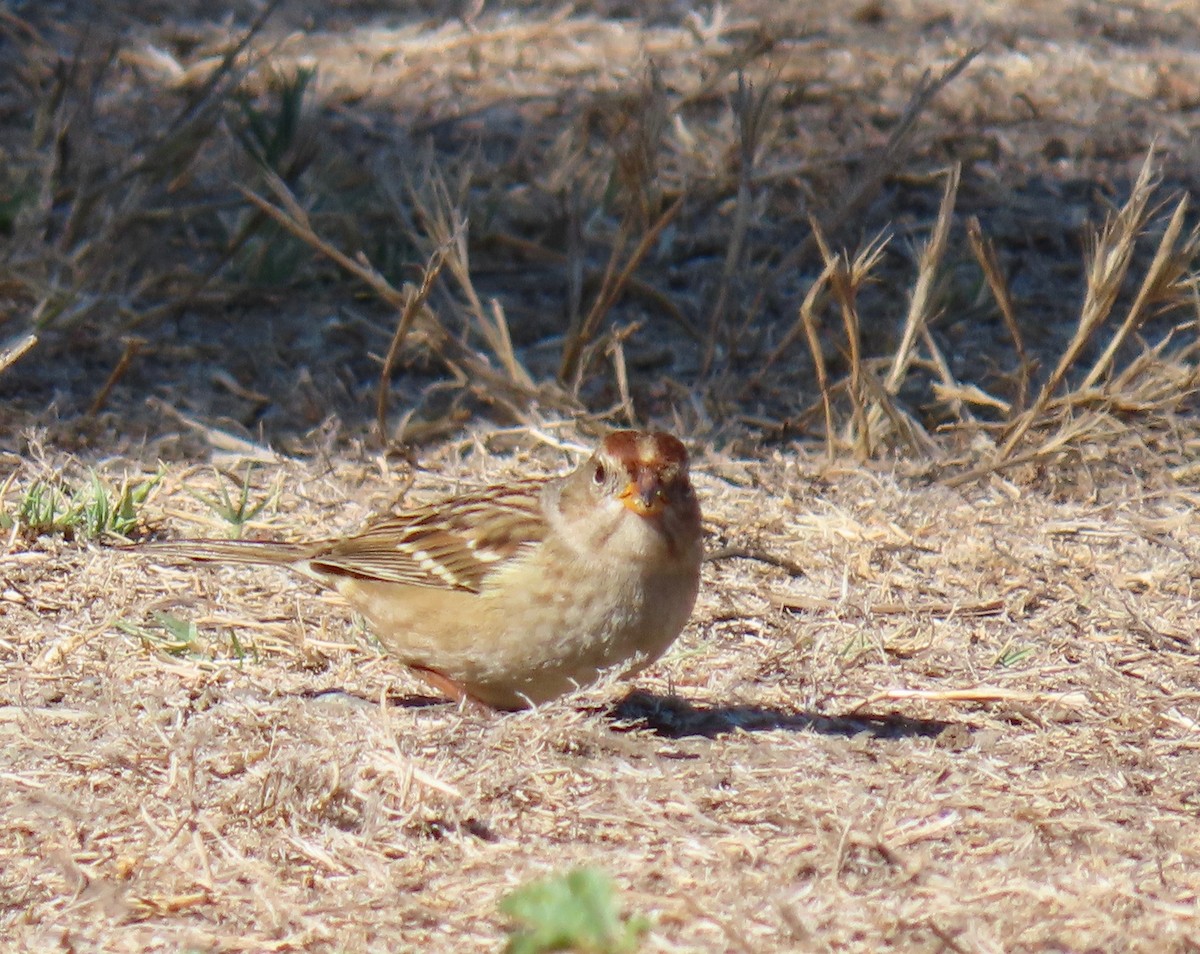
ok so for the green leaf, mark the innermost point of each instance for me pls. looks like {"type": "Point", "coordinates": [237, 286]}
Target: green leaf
{"type": "Point", "coordinates": [182, 630]}
{"type": "Point", "coordinates": [573, 912]}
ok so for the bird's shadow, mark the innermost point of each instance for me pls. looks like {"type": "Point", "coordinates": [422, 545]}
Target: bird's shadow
{"type": "Point", "coordinates": [673, 717]}
{"type": "Point", "coordinates": [676, 718]}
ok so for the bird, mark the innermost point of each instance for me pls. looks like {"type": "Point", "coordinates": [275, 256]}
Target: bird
{"type": "Point", "coordinates": [517, 593]}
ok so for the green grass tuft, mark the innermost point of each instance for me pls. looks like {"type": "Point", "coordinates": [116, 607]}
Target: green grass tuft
{"type": "Point", "coordinates": [573, 912]}
{"type": "Point", "coordinates": [92, 511]}
{"type": "Point", "coordinates": [235, 511]}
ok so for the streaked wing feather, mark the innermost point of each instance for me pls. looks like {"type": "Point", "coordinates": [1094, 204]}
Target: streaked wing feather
{"type": "Point", "coordinates": [454, 544]}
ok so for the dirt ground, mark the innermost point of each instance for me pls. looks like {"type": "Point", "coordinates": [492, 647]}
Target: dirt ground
{"type": "Point", "coordinates": [932, 697]}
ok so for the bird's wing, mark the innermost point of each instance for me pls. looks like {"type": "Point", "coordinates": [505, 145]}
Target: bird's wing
{"type": "Point", "coordinates": [454, 544]}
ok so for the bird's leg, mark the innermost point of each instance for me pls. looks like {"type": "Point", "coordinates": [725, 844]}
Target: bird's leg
{"type": "Point", "coordinates": [448, 687]}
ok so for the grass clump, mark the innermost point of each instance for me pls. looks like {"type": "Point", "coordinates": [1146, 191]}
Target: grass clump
{"type": "Point", "coordinates": [93, 510]}
{"type": "Point", "coordinates": [236, 510]}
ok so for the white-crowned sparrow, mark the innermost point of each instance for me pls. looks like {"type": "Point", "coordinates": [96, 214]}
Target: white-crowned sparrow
{"type": "Point", "coordinates": [520, 592]}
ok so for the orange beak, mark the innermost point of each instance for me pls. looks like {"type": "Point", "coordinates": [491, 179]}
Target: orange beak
{"type": "Point", "coordinates": [644, 494]}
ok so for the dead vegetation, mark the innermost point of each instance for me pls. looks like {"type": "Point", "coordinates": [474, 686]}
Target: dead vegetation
{"type": "Point", "coordinates": [916, 280]}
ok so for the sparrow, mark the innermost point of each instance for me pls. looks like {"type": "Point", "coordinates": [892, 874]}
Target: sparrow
{"type": "Point", "coordinates": [520, 592]}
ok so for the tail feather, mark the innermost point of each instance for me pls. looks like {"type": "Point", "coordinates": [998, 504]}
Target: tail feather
{"type": "Point", "coordinates": [266, 552]}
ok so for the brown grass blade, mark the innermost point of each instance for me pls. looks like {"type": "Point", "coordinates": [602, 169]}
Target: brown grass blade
{"type": "Point", "coordinates": [891, 157]}
{"type": "Point", "coordinates": [751, 110]}
{"type": "Point", "coordinates": [15, 349]}
{"type": "Point", "coordinates": [920, 309]}
{"type": "Point", "coordinates": [412, 307]}
{"type": "Point", "coordinates": [1108, 265]}
{"type": "Point", "coordinates": [1164, 284]}
{"type": "Point", "coordinates": [613, 286]}
{"type": "Point", "coordinates": [989, 262]}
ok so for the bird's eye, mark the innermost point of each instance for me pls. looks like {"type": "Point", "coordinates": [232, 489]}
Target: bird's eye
{"type": "Point", "coordinates": [599, 474]}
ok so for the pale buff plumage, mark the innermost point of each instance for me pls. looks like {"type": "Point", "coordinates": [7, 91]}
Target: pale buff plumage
{"type": "Point", "coordinates": [517, 594]}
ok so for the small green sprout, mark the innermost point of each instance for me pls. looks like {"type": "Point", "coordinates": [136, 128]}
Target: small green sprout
{"type": "Point", "coordinates": [236, 512]}
{"type": "Point", "coordinates": [171, 635]}
{"type": "Point", "coordinates": [572, 912]}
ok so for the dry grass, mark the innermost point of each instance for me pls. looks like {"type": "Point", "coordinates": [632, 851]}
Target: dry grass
{"type": "Point", "coordinates": [917, 281]}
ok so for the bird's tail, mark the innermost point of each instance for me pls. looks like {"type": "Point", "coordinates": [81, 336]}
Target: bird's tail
{"type": "Point", "coordinates": [266, 552]}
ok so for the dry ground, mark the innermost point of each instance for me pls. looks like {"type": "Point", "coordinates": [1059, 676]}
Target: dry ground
{"type": "Point", "coordinates": [936, 695]}
{"type": "Point", "coordinates": [757, 794]}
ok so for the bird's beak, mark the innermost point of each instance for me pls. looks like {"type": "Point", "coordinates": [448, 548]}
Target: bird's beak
{"type": "Point", "coordinates": [644, 494]}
